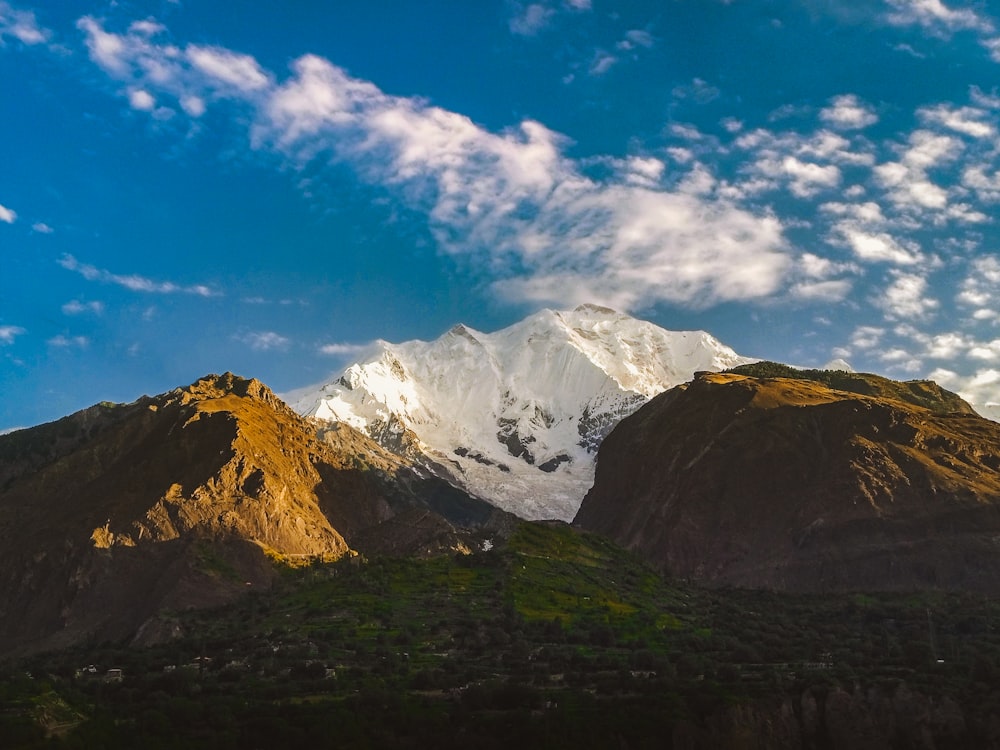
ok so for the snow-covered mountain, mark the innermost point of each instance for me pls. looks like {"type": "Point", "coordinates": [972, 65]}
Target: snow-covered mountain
{"type": "Point", "coordinates": [515, 416]}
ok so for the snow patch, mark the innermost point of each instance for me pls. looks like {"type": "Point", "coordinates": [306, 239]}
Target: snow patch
{"type": "Point", "coordinates": [516, 415]}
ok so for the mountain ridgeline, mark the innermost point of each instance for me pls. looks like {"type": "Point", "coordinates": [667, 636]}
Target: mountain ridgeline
{"type": "Point", "coordinates": [765, 476]}
{"type": "Point", "coordinates": [113, 515]}
{"type": "Point", "coordinates": [760, 475]}
{"type": "Point", "coordinates": [515, 416]}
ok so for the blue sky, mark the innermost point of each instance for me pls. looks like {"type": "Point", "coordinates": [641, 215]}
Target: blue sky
{"type": "Point", "coordinates": [188, 189]}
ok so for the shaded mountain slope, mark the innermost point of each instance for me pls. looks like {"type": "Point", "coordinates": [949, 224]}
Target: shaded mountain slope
{"type": "Point", "coordinates": [789, 483]}
{"type": "Point", "coordinates": [120, 511]}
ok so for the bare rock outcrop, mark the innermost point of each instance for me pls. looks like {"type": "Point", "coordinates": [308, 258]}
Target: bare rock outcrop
{"type": "Point", "coordinates": [184, 500]}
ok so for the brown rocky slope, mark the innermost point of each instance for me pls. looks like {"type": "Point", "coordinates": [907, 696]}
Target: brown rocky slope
{"type": "Point", "coordinates": [119, 513]}
{"type": "Point", "coordinates": [817, 482]}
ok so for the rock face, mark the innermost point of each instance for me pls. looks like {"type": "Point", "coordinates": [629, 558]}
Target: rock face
{"type": "Point", "coordinates": [515, 416]}
{"type": "Point", "coordinates": [119, 511]}
{"type": "Point", "coordinates": [824, 481]}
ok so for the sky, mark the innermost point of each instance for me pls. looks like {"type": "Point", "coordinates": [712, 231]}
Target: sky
{"type": "Point", "coordinates": [187, 187]}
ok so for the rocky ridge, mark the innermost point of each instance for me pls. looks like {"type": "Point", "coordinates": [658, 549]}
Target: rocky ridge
{"type": "Point", "coordinates": [113, 514]}
{"type": "Point", "coordinates": [823, 481]}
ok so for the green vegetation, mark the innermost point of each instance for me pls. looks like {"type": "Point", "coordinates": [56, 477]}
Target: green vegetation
{"type": "Point", "coordinates": [923, 393]}
{"type": "Point", "coordinates": [553, 638]}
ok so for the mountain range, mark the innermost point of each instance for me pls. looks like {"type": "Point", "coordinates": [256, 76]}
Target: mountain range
{"type": "Point", "coordinates": [516, 416]}
{"type": "Point", "coordinates": [116, 514]}
{"type": "Point", "coordinates": [713, 467]}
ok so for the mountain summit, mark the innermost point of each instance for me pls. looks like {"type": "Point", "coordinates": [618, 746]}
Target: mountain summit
{"type": "Point", "coordinates": [805, 480]}
{"type": "Point", "coordinates": [115, 514]}
{"type": "Point", "coordinates": [515, 416]}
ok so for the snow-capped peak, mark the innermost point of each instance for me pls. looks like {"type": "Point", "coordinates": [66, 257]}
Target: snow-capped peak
{"type": "Point", "coordinates": [516, 415]}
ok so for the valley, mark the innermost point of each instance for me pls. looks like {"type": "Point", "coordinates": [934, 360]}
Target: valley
{"type": "Point", "coordinates": [551, 638]}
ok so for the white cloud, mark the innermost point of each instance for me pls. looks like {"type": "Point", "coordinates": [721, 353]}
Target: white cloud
{"type": "Point", "coordinates": [807, 179]}
{"type": "Point", "coordinates": [868, 213]}
{"type": "Point", "coordinates": [602, 63]}
{"type": "Point", "coordinates": [193, 105]}
{"type": "Point", "coordinates": [7, 215]}
{"type": "Point", "coordinates": [928, 149]}
{"type": "Point", "coordinates": [936, 17]}
{"type": "Point", "coordinates": [21, 25]}
{"type": "Point", "coordinates": [832, 290]}
{"type": "Point", "coordinates": [512, 201]}
{"type": "Point", "coordinates": [642, 171]}
{"type": "Point", "coordinates": [9, 333]}
{"type": "Point", "coordinates": [342, 349]}
{"type": "Point", "coordinates": [878, 248]}
{"type": "Point", "coordinates": [806, 163]}
{"type": "Point", "coordinates": [986, 186]}
{"type": "Point", "coordinates": [699, 91]}
{"type": "Point", "coordinates": [531, 19]}
{"type": "Point", "coordinates": [107, 50]}
{"type": "Point", "coordinates": [732, 125]}
{"type": "Point", "coordinates": [133, 282]}
{"type": "Point", "coordinates": [848, 112]}
{"type": "Point", "coordinates": [908, 49]}
{"type": "Point", "coordinates": [636, 38]}
{"type": "Point", "coordinates": [141, 100]}
{"type": "Point", "coordinates": [76, 307]}
{"type": "Point", "coordinates": [907, 182]}
{"type": "Point", "coordinates": [867, 337]}
{"type": "Point", "coordinates": [145, 61]}
{"type": "Point", "coordinates": [239, 71]}
{"type": "Point", "coordinates": [829, 146]}
{"type": "Point", "coordinates": [966, 120]}
{"type": "Point", "coordinates": [900, 359]}
{"type": "Point", "coordinates": [263, 341]}
{"type": "Point", "coordinates": [988, 351]}
{"type": "Point", "coordinates": [42, 228]}
{"type": "Point", "coordinates": [147, 27]}
{"type": "Point", "coordinates": [906, 297]}
{"type": "Point", "coordinates": [818, 284]}
{"type": "Point", "coordinates": [947, 346]}
{"type": "Point", "coordinates": [698, 181]}
{"type": "Point", "coordinates": [980, 290]}
{"type": "Point", "coordinates": [68, 342]}
{"type": "Point", "coordinates": [516, 198]}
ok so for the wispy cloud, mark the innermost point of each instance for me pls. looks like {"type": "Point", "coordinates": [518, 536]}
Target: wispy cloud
{"type": "Point", "coordinates": [42, 228]}
{"type": "Point", "coordinates": [636, 38]}
{"type": "Point", "coordinates": [342, 349]}
{"type": "Point", "coordinates": [233, 69]}
{"type": "Point", "coordinates": [76, 307]}
{"type": "Point", "coordinates": [21, 25]}
{"type": "Point", "coordinates": [939, 20]}
{"type": "Point", "coordinates": [263, 341]}
{"type": "Point", "coordinates": [134, 282]}
{"type": "Point", "coordinates": [907, 297]}
{"type": "Point", "coordinates": [936, 17]}
{"type": "Point", "coordinates": [69, 342]}
{"type": "Point", "coordinates": [7, 215]}
{"type": "Point", "coordinates": [528, 20]}
{"type": "Point", "coordinates": [9, 333]}
{"type": "Point", "coordinates": [511, 201]}
{"type": "Point", "coordinates": [689, 224]}
{"type": "Point", "coordinates": [848, 112]}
